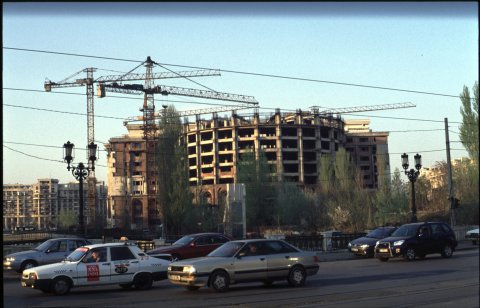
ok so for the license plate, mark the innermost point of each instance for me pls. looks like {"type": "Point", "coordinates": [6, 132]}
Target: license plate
{"type": "Point", "coordinates": [383, 250]}
{"type": "Point", "coordinates": [175, 277]}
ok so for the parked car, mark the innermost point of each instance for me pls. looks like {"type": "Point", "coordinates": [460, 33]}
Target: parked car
{"type": "Point", "coordinates": [365, 245]}
{"type": "Point", "coordinates": [120, 263]}
{"type": "Point", "coordinates": [417, 240]}
{"type": "Point", "coordinates": [192, 246]}
{"type": "Point", "coordinates": [50, 251]}
{"type": "Point", "coordinates": [473, 236]}
{"type": "Point", "coordinates": [245, 261]}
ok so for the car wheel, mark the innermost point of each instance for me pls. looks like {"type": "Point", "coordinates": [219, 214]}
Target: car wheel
{"type": "Point", "coordinates": [27, 264]}
{"type": "Point", "coordinates": [383, 259]}
{"type": "Point", "coordinates": [125, 286]}
{"type": "Point", "coordinates": [447, 251]}
{"type": "Point", "coordinates": [192, 288]}
{"type": "Point", "coordinates": [61, 286]}
{"type": "Point", "coordinates": [219, 281]}
{"type": "Point", "coordinates": [297, 276]}
{"type": "Point", "coordinates": [409, 254]}
{"type": "Point", "coordinates": [143, 281]}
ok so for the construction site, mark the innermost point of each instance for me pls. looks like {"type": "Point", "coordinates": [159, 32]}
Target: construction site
{"type": "Point", "coordinates": [292, 142]}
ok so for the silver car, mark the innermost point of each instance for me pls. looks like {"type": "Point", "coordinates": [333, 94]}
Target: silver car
{"type": "Point", "coordinates": [245, 261]}
{"type": "Point", "coordinates": [50, 251]}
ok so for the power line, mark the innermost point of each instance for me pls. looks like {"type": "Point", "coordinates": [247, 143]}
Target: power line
{"type": "Point", "coordinates": [245, 73]}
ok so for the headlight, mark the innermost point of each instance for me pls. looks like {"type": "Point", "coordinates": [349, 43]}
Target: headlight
{"type": "Point", "coordinates": [169, 268]}
{"type": "Point", "coordinates": [32, 276]}
{"type": "Point", "coordinates": [189, 269]}
{"type": "Point", "coordinates": [398, 243]}
{"type": "Point", "coordinates": [10, 259]}
{"type": "Point", "coordinates": [364, 246]}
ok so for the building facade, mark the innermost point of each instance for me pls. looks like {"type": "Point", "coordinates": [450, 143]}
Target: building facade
{"type": "Point", "coordinates": [38, 205]}
{"type": "Point", "coordinates": [292, 143]}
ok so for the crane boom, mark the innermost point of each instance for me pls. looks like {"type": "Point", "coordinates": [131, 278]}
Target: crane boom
{"type": "Point", "coordinates": [162, 75]}
{"type": "Point", "coordinates": [166, 90]}
{"type": "Point", "coordinates": [316, 109]}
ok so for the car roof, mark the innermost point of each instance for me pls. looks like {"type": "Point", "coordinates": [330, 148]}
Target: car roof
{"type": "Point", "coordinates": [204, 233]}
{"type": "Point", "coordinates": [66, 238]}
{"type": "Point", "coordinates": [110, 245]}
{"type": "Point", "coordinates": [256, 240]}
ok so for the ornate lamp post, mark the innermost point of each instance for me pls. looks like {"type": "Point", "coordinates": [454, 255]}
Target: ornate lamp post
{"type": "Point", "coordinates": [412, 176]}
{"type": "Point", "coordinates": [80, 172]}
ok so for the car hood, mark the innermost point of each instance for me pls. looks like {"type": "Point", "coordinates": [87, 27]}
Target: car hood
{"type": "Point", "coordinates": [53, 268]}
{"type": "Point", "coordinates": [364, 240]}
{"type": "Point", "coordinates": [392, 239]}
{"type": "Point", "coordinates": [199, 261]}
{"type": "Point", "coordinates": [163, 249]}
{"type": "Point", "coordinates": [25, 253]}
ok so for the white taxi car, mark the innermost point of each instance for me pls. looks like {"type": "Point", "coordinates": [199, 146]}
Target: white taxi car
{"type": "Point", "coordinates": [121, 263]}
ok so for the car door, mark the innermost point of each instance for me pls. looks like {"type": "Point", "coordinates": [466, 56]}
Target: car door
{"type": "Point", "coordinates": [124, 264]}
{"type": "Point", "coordinates": [250, 265]}
{"type": "Point", "coordinates": [280, 257]}
{"type": "Point", "coordinates": [90, 272]}
{"type": "Point", "coordinates": [57, 251]}
{"type": "Point", "coordinates": [424, 240]}
{"type": "Point", "coordinates": [438, 237]}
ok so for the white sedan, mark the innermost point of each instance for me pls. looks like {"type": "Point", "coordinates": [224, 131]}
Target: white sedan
{"type": "Point", "coordinates": [121, 263]}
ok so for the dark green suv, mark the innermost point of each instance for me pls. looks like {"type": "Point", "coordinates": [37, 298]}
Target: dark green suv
{"type": "Point", "coordinates": [416, 240]}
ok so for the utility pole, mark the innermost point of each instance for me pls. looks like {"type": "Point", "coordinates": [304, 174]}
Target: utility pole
{"type": "Point", "coordinates": [449, 175]}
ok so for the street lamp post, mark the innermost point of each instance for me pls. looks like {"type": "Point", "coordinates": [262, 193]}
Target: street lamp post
{"type": "Point", "coordinates": [80, 172]}
{"type": "Point", "coordinates": [412, 176]}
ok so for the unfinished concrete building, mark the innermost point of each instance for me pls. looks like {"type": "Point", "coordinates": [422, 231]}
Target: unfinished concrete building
{"type": "Point", "coordinates": [293, 144]}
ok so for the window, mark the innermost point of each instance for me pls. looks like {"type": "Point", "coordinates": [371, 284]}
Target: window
{"type": "Point", "coordinates": [121, 253]}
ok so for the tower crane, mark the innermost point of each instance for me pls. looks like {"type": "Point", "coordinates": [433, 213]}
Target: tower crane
{"type": "Point", "coordinates": [89, 82]}
{"type": "Point", "coordinates": [148, 89]}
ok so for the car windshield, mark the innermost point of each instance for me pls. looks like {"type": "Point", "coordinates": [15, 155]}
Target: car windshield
{"type": "Point", "coordinates": [184, 240]}
{"type": "Point", "coordinates": [77, 254]}
{"type": "Point", "coordinates": [228, 249]}
{"type": "Point", "coordinates": [379, 233]}
{"type": "Point", "coordinates": [406, 230]}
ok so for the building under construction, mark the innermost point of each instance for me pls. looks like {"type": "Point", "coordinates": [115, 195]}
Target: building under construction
{"type": "Point", "coordinates": [293, 144]}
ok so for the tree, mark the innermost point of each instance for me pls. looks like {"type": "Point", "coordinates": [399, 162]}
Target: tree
{"type": "Point", "coordinates": [173, 195]}
{"type": "Point", "coordinates": [469, 126]}
{"type": "Point", "coordinates": [347, 201]}
{"type": "Point", "coordinates": [256, 175]}
{"type": "Point", "coordinates": [67, 219]}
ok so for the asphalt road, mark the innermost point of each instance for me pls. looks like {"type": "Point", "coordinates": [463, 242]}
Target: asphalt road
{"type": "Point", "coordinates": [351, 282]}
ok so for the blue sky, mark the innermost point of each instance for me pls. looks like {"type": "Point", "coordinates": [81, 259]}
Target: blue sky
{"type": "Point", "coordinates": [412, 46]}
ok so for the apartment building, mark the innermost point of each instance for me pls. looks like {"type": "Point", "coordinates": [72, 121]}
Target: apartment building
{"type": "Point", "coordinates": [39, 204]}
{"type": "Point", "coordinates": [369, 151]}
